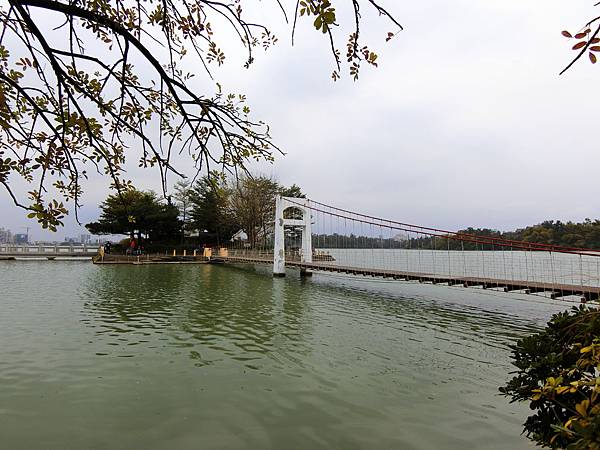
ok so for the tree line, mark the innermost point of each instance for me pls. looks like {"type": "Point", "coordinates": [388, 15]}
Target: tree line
{"type": "Point", "coordinates": [214, 209]}
{"type": "Point", "coordinates": [584, 234]}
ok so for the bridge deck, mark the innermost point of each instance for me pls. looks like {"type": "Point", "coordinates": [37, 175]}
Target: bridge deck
{"type": "Point", "coordinates": [555, 290]}
{"type": "Point", "coordinates": [11, 251]}
{"type": "Point", "coordinates": [12, 255]}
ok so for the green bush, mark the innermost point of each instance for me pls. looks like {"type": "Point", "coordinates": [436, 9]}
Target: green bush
{"type": "Point", "coordinates": [559, 374]}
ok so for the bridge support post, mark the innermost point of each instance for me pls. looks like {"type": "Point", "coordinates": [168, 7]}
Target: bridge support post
{"type": "Point", "coordinates": [299, 204]}
{"type": "Point", "coordinates": [306, 244]}
{"type": "Point", "coordinates": [279, 247]}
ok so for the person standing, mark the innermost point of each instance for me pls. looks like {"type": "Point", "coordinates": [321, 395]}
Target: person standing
{"type": "Point", "coordinates": [131, 249]}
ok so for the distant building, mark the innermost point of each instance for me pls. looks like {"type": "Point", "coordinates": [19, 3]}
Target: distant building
{"type": "Point", "coordinates": [82, 239]}
{"type": "Point", "coordinates": [239, 236]}
{"type": "Point", "coordinates": [21, 238]}
{"type": "Point", "coordinates": [6, 237]}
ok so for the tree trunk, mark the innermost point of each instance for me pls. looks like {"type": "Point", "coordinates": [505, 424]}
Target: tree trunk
{"type": "Point", "coordinates": [183, 225]}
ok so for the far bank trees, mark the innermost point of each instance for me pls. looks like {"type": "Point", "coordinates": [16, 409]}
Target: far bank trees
{"type": "Point", "coordinates": [584, 234]}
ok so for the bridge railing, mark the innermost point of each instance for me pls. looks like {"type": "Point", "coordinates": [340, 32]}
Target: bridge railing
{"type": "Point", "coordinates": [47, 250]}
{"type": "Point", "coordinates": [351, 240]}
{"type": "Point", "coordinates": [250, 253]}
{"type": "Point", "coordinates": [262, 254]}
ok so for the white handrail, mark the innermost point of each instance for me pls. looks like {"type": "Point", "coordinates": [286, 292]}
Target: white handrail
{"type": "Point", "coordinates": [47, 249]}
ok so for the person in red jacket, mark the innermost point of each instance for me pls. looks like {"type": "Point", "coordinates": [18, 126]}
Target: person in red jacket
{"type": "Point", "coordinates": [131, 249]}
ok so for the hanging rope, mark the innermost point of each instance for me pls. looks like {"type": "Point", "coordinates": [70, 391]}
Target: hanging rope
{"type": "Point", "coordinates": [402, 250]}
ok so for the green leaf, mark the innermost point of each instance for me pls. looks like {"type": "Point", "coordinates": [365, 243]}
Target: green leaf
{"type": "Point", "coordinates": [318, 22]}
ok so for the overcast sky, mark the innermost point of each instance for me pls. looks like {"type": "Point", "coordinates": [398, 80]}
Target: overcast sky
{"type": "Point", "coordinates": [465, 123]}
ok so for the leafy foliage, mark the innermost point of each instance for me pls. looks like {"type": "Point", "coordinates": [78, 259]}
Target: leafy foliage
{"type": "Point", "coordinates": [84, 82]}
{"type": "Point", "coordinates": [587, 39]}
{"type": "Point", "coordinates": [252, 203]}
{"type": "Point", "coordinates": [558, 372]}
{"type": "Point", "coordinates": [138, 213]}
{"type": "Point", "coordinates": [183, 200]}
{"type": "Point", "coordinates": [552, 232]}
{"type": "Point", "coordinates": [293, 191]}
{"type": "Point", "coordinates": [224, 206]}
{"type": "Point", "coordinates": [210, 208]}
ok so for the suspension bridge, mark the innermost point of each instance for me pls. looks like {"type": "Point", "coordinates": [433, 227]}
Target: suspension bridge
{"type": "Point", "coordinates": [313, 236]}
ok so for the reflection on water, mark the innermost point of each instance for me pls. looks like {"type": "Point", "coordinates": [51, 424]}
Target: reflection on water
{"type": "Point", "coordinates": [223, 357]}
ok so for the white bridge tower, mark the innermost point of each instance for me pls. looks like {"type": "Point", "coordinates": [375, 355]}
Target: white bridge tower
{"type": "Point", "coordinates": [297, 206]}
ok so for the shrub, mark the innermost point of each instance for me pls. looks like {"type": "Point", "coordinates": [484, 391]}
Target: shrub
{"type": "Point", "coordinates": [559, 374]}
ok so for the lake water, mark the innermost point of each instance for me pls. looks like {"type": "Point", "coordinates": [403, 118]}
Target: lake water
{"type": "Point", "coordinates": [190, 357]}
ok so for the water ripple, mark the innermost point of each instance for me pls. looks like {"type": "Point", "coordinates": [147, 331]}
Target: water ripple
{"type": "Point", "coordinates": [188, 356]}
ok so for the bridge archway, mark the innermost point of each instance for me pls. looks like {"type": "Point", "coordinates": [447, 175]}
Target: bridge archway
{"type": "Point", "coordinates": [294, 212]}
{"type": "Point", "coordinates": [291, 212]}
